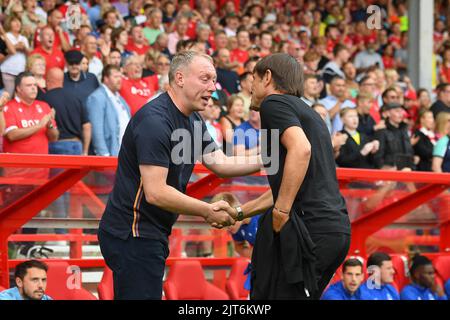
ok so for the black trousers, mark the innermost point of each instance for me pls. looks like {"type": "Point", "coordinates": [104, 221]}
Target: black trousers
{"type": "Point", "coordinates": [137, 264]}
{"type": "Point", "coordinates": [331, 251]}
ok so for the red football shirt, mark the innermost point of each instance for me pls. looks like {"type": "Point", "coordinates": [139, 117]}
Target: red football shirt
{"type": "Point", "coordinates": [54, 59]}
{"type": "Point", "coordinates": [137, 92]}
{"type": "Point", "coordinates": [239, 55]}
{"type": "Point", "coordinates": [131, 46]}
{"type": "Point", "coordinates": [56, 44]}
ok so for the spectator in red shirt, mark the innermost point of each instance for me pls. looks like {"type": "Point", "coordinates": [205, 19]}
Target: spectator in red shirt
{"type": "Point", "coordinates": [137, 42]}
{"type": "Point", "coordinates": [136, 90]}
{"type": "Point", "coordinates": [388, 57]}
{"type": "Point", "coordinates": [54, 19]}
{"type": "Point", "coordinates": [240, 54]}
{"type": "Point", "coordinates": [266, 41]}
{"type": "Point", "coordinates": [54, 57]}
{"type": "Point", "coordinates": [444, 70]}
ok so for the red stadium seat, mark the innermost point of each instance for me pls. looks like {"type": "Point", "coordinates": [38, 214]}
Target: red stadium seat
{"type": "Point", "coordinates": [105, 288]}
{"type": "Point", "coordinates": [401, 277]}
{"type": "Point", "coordinates": [442, 267]}
{"type": "Point", "coordinates": [186, 281]}
{"type": "Point", "coordinates": [236, 280]}
{"type": "Point", "coordinates": [59, 283]}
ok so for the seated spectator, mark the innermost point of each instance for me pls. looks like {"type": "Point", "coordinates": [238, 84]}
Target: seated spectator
{"type": "Point", "coordinates": [441, 151]}
{"type": "Point", "coordinates": [424, 99]}
{"type": "Point", "coordinates": [368, 58]}
{"type": "Point", "coordinates": [108, 113]}
{"type": "Point", "coordinates": [381, 276]}
{"type": "Point", "coordinates": [442, 103]}
{"type": "Point", "coordinates": [89, 50]}
{"type": "Point", "coordinates": [246, 136]}
{"type": "Point", "coordinates": [423, 282]}
{"type": "Point", "coordinates": [36, 65]}
{"type": "Point", "coordinates": [210, 115]}
{"type": "Point", "coordinates": [348, 287]}
{"type": "Point", "coordinates": [83, 83]}
{"type": "Point", "coordinates": [31, 282]}
{"type": "Point", "coordinates": [395, 147]}
{"type": "Point", "coordinates": [358, 149]}
{"type": "Point", "coordinates": [161, 44]}
{"type": "Point", "coordinates": [226, 77]}
{"type": "Point", "coordinates": [337, 100]}
{"type": "Point", "coordinates": [137, 91]}
{"type": "Point", "coordinates": [54, 20]}
{"type": "Point", "coordinates": [230, 121]}
{"type": "Point", "coordinates": [427, 140]}
{"type": "Point", "coordinates": [54, 57]}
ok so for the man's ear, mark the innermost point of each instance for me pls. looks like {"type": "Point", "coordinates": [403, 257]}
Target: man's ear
{"type": "Point", "coordinates": [179, 79]}
{"type": "Point", "coordinates": [267, 79]}
{"type": "Point", "coordinates": [19, 282]}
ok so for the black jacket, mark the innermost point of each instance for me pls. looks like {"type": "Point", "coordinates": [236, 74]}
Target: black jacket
{"type": "Point", "coordinates": [423, 149]}
{"type": "Point", "coordinates": [350, 154]}
{"type": "Point", "coordinates": [438, 107]}
{"type": "Point", "coordinates": [283, 264]}
{"type": "Point", "coordinates": [395, 147]}
{"type": "Point", "coordinates": [366, 125]}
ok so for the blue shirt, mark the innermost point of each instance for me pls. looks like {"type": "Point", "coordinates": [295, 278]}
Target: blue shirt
{"type": "Point", "coordinates": [385, 292]}
{"type": "Point", "coordinates": [14, 294]}
{"type": "Point", "coordinates": [247, 232]}
{"type": "Point", "coordinates": [415, 292]}
{"type": "Point", "coordinates": [247, 135]}
{"type": "Point", "coordinates": [338, 292]}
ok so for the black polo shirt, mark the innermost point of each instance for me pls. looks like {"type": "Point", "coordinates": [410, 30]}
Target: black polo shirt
{"type": "Point", "coordinates": [319, 197]}
{"type": "Point", "coordinates": [84, 86]}
{"type": "Point", "coordinates": [70, 114]}
{"type": "Point", "coordinates": [151, 139]}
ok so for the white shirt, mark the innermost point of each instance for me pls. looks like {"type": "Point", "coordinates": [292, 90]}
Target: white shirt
{"type": "Point", "coordinates": [15, 64]}
{"type": "Point", "coordinates": [121, 109]}
{"type": "Point", "coordinates": [96, 67]}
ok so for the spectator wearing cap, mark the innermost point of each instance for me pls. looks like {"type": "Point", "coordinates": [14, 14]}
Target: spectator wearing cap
{"type": "Point", "coordinates": [108, 113]}
{"type": "Point", "coordinates": [228, 79]}
{"type": "Point", "coordinates": [381, 276]}
{"type": "Point", "coordinates": [333, 68]}
{"type": "Point", "coordinates": [137, 91]}
{"type": "Point", "coordinates": [423, 282]}
{"type": "Point", "coordinates": [153, 25]}
{"type": "Point", "coordinates": [442, 103]}
{"type": "Point", "coordinates": [369, 57]}
{"type": "Point", "coordinates": [395, 147]}
{"type": "Point", "coordinates": [180, 33]}
{"type": "Point", "coordinates": [83, 83]}
{"type": "Point", "coordinates": [246, 80]}
{"type": "Point", "coordinates": [54, 57]}
{"type": "Point", "coordinates": [348, 287]}
{"type": "Point", "coordinates": [337, 100]}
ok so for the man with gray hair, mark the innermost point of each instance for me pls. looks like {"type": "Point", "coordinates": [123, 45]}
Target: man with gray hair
{"type": "Point", "coordinates": [153, 26]}
{"type": "Point", "coordinates": [159, 149]}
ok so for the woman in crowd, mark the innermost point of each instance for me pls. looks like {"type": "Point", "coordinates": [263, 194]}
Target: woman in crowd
{"type": "Point", "coordinates": [233, 119]}
{"type": "Point", "coordinates": [441, 151]}
{"type": "Point", "coordinates": [427, 140]}
{"type": "Point", "coordinates": [36, 65]}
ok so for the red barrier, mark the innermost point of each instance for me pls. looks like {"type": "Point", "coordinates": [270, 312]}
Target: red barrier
{"type": "Point", "coordinates": [24, 209]}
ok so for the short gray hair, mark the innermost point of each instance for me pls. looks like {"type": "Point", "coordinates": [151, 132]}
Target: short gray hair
{"type": "Point", "coordinates": [182, 60]}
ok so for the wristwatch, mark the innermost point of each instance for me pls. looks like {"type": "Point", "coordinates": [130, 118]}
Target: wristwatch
{"type": "Point", "coordinates": [240, 215]}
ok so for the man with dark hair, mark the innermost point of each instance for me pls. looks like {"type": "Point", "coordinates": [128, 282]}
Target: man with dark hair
{"type": "Point", "coordinates": [442, 103]}
{"type": "Point", "coordinates": [381, 276]}
{"type": "Point", "coordinates": [333, 68]}
{"type": "Point", "coordinates": [347, 289]}
{"type": "Point", "coordinates": [390, 95]}
{"type": "Point", "coordinates": [246, 80]}
{"type": "Point", "coordinates": [31, 282]}
{"type": "Point", "coordinates": [423, 282]}
{"type": "Point", "coordinates": [306, 229]}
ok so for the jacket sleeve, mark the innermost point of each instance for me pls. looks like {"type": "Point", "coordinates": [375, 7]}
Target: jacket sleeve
{"type": "Point", "coordinates": [422, 150]}
{"type": "Point", "coordinates": [96, 114]}
{"type": "Point", "coordinates": [378, 157]}
{"type": "Point", "coordinates": [349, 157]}
{"type": "Point", "coordinates": [331, 294]}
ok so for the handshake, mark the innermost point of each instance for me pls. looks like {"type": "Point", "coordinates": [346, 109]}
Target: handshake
{"type": "Point", "coordinates": [220, 214]}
